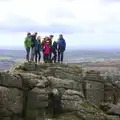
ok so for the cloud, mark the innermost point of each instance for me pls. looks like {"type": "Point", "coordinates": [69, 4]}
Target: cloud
{"type": "Point", "coordinates": [111, 1]}
{"type": "Point", "coordinates": [90, 19]}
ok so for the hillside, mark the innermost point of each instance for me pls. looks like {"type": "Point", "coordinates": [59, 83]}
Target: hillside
{"type": "Point", "coordinates": [9, 58]}
{"type": "Point", "coordinates": [57, 92]}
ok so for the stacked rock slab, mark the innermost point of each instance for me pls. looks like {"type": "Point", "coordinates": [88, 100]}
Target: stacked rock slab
{"type": "Point", "coordinates": [11, 96]}
{"type": "Point", "coordinates": [94, 87]}
{"type": "Point", "coordinates": [31, 91]}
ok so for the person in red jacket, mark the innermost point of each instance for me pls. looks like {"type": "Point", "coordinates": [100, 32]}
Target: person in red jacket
{"type": "Point", "coordinates": [46, 50]}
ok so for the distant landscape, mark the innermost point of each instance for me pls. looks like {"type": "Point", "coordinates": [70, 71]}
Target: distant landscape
{"type": "Point", "coordinates": [99, 60]}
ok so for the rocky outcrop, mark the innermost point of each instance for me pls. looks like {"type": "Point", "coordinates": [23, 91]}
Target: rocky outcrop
{"type": "Point", "coordinates": [54, 92]}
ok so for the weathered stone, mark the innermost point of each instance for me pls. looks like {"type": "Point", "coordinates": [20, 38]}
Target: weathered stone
{"type": "Point", "coordinates": [115, 110]}
{"type": "Point", "coordinates": [43, 83]}
{"type": "Point", "coordinates": [30, 66]}
{"type": "Point", "coordinates": [64, 83]}
{"type": "Point", "coordinates": [110, 93]}
{"type": "Point", "coordinates": [6, 118]}
{"type": "Point", "coordinates": [36, 114]}
{"type": "Point", "coordinates": [10, 80]}
{"type": "Point", "coordinates": [39, 97]}
{"type": "Point", "coordinates": [71, 100]}
{"type": "Point", "coordinates": [64, 73]}
{"type": "Point", "coordinates": [105, 106]}
{"type": "Point", "coordinates": [73, 92]}
{"type": "Point", "coordinates": [30, 80]}
{"type": "Point", "coordinates": [94, 92]}
{"type": "Point", "coordinates": [48, 87]}
{"type": "Point", "coordinates": [110, 117]}
{"type": "Point", "coordinates": [11, 101]}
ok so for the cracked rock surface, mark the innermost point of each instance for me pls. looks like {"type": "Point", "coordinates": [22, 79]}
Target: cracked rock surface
{"type": "Point", "coordinates": [57, 92]}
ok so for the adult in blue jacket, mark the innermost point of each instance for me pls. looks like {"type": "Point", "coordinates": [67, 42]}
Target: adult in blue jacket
{"type": "Point", "coordinates": [61, 48]}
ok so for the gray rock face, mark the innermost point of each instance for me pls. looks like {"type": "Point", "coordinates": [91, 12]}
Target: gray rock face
{"type": "Point", "coordinates": [115, 110]}
{"type": "Point", "coordinates": [44, 91]}
{"type": "Point", "coordinates": [10, 80]}
{"type": "Point", "coordinates": [39, 97]}
{"type": "Point", "coordinates": [11, 101]}
{"type": "Point", "coordinates": [94, 87]}
{"type": "Point", "coordinates": [72, 100]}
{"type": "Point", "coordinates": [64, 83]}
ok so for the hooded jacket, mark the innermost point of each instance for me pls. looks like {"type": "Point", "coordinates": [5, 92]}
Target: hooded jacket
{"type": "Point", "coordinates": [61, 44]}
{"type": "Point", "coordinates": [27, 42]}
{"type": "Point", "coordinates": [46, 48]}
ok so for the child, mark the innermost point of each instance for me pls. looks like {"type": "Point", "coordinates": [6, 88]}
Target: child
{"type": "Point", "coordinates": [54, 51]}
{"type": "Point", "coordinates": [46, 50]}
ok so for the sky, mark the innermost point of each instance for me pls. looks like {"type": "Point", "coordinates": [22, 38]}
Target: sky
{"type": "Point", "coordinates": [85, 24]}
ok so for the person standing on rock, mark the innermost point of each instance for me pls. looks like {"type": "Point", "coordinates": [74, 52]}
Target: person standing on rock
{"type": "Point", "coordinates": [27, 44]}
{"type": "Point", "coordinates": [50, 43]}
{"type": "Point", "coordinates": [46, 50]}
{"type": "Point", "coordinates": [54, 51]}
{"type": "Point", "coordinates": [33, 40]}
{"type": "Point", "coordinates": [61, 48]}
{"type": "Point", "coordinates": [38, 49]}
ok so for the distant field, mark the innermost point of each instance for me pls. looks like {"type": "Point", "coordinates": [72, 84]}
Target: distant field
{"type": "Point", "coordinates": [85, 58]}
{"type": "Point", "coordinates": [19, 61]}
{"type": "Point", "coordinates": [5, 58]}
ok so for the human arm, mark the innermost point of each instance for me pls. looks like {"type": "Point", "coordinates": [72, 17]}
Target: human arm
{"type": "Point", "coordinates": [65, 44]}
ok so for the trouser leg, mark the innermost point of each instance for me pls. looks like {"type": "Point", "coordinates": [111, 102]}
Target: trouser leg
{"type": "Point", "coordinates": [39, 56]}
{"type": "Point", "coordinates": [28, 52]}
{"type": "Point", "coordinates": [55, 57]}
{"type": "Point", "coordinates": [59, 56]}
{"type": "Point", "coordinates": [50, 55]}
{"type": "Point", "coordinates": [62, 55]}
{"type": "Point", "coordinates": [32, 53]}
{"type": "Point", "coordinates": [45, 58]}
{"type": "Point", "coordinates": [36, 56]}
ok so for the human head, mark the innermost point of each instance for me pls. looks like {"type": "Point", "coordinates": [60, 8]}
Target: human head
{"type": "Point", "coordinates": [46, 40]}
{"type": "Point", "coordinates": [60, 36]}
{"type": "Point", "coordinates": [28, 34]}
{"type": "Point", "coordinates": [35, 33]}
{"type": "Point", "coordinates": [38, 38]}
{"type": "Point", "coordinates": [51, 36]}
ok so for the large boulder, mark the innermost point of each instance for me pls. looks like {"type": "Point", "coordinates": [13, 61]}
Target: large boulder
{"type": "Point", "coordinates": [94, 87]}
{"type": "Point", "coordinates": [64, 73]}
{"type": "Point", "coordinates": [43, 91]}
{"type": "Point", "coordinates": [10, 80]}
{"type": "Point", "coordinates": [39, 97]}
{"type": "Point", "coordinates": [74, 101]}
{"type": "Point", "coordinates": [64, 83]}
{"type": "Point", "coordinates": [111, 93]}
{"type": "Point", "coordinates": [115, 110]}
{"type": "Point", "coordinates": [11, 101]}
{"type": "Point", "coordinates": [31, 80]}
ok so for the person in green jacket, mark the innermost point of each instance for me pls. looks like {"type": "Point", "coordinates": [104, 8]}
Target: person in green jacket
{"type": "Point", "coordinates": [27, 44]}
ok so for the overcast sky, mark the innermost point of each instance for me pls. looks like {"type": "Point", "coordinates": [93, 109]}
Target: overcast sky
{"type": "Point", "coordinates": [86, 24]}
